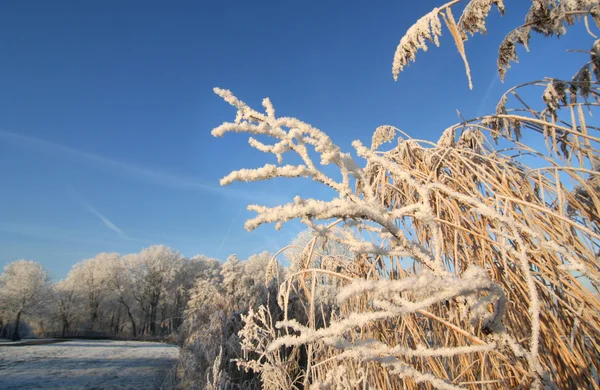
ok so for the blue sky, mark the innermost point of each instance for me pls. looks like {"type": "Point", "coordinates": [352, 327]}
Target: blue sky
{"type": "Point", "coordinates": [106, 110]}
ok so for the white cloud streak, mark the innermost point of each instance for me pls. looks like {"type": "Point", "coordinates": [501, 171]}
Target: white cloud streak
{"type": "Point", "coordinates": [486, 96]}
{"type": "Point", "coordinates": [233, 220]}
{"type": "Point", "coordinates": [55, 234]}
{"type": "Point", "coordinates": [158, 177]}
{"type": "Point", "coordinates": [107, 221]}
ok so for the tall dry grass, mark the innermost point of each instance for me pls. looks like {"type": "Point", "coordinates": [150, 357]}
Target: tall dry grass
{"type": "Point", "coordinates": [472, 262]}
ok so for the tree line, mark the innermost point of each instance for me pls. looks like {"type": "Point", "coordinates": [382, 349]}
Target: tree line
{"type": "Point", "coordinates": [135, 295]}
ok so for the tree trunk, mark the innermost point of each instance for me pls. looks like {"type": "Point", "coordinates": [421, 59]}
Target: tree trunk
{"type": "Point", "coordinates": [130, 318]}
{"type": "Point", "coordinates": [152, 316]}
{"type": "Point", "coordinates": [154, 301]}
{"type": "Point", "coordinates": [65, 328]}
{"type": "Point", "coordinates": [153, 320]}
{"type": "Point", "coordinates": [118, 321]}
{"type": "Point", "coordinates": [15, 335]}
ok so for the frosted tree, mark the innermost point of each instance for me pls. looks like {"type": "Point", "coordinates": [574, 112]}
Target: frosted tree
{"type": "Point", "coordinates": [152, 270]}
{"type": "Point", "coordinates": [193, 269]}
{"type": "Point", "coordinates": [117, 280]}
{"type": "Point", "coordinates": [213, 318]}
{"type": "Point", "coordinates": [205, 315]}
{"type": "Point", "coordinates": [232, 273]}
{"type": "Point", "coordinates": [205, 268]}
{"type": "Point", "coordinates": [254, 278]}
{"type": "Point", "coordinates": [24, 289]}
{"type": "Point", "coordinates": [88, 278]}
{"type": "Point", "coordinates": [67, 305]}
{"type": "Point", "coordinates": [141, 294]}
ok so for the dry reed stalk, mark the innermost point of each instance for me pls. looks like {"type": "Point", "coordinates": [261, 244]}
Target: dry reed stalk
{"type": "Point", "coordinates": [484, 197]}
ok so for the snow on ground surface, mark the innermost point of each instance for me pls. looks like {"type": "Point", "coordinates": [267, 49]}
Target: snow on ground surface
{"type": "Point", "coordinates": [86, 364]}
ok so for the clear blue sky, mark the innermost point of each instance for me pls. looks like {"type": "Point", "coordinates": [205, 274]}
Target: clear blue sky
{"type": "Point", "coordinates": [106, 109]}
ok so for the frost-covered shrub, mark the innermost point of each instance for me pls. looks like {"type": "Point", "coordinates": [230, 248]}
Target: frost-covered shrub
{"type": "Point", "coordinates": [465, 263]}
{"type": "Point", "coordinates": [213, 319]}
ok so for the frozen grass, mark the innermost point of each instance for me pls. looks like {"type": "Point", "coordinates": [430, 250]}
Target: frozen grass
{"type": "Point", "coordinates": [86, 364]}
{"type": "Point", "coordinates": [467, 263]}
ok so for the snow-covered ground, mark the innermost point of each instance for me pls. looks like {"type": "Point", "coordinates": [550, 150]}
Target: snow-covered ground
{"type": "Point", "coordinates": [85, 364]}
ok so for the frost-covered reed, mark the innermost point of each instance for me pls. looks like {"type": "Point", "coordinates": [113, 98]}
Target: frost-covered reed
{"type": "Point", "coordinates": [470, 262]}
